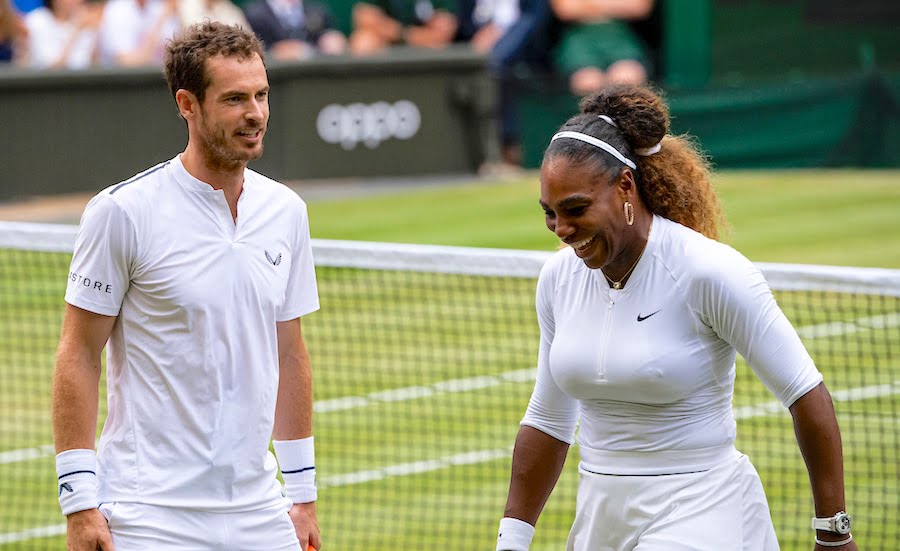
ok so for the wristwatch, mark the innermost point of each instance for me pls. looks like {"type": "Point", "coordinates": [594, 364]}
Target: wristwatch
{"type": "Point", "coordinates": [839, 523]}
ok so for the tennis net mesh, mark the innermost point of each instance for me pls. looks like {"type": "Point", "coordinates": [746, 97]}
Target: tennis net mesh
{"type": "Point", "coordinates": [424, 361]}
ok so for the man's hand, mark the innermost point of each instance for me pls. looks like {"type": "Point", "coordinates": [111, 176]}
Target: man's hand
{"type": "Point", "coordinates": [303, 515]}
{"type": "Point", "coordinates": [88, 531]}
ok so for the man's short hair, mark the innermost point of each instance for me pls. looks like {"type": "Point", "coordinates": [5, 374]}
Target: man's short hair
{"type": "Point", "coordinates": [186, 55]}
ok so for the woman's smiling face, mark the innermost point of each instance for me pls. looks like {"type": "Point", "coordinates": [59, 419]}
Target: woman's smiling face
{"type": "Point", "coordinates": [583, 209]}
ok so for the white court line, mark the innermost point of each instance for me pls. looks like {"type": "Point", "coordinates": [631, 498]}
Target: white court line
{"type": "Point", "coordinates": [838, 328]}
{"type": "Point", "coordinates": [414, 392]}
{"type": "Point", "coordinates": [416, 467]}
{"type": "Point", "coordinates": [517, 376]}
{"type": "Point", "coordinates": [345, 403]}
{"type": "Point", "coordinates": [24, 454]}
{"type": "Point", "coordinates": [333, 481]}
{"type": "Point", "coordinates": [33, 533]}
{"type": "Point", "coordinates": [871, 419]}
{"type": "Point", "coordinates": [849, 395]}
{"type": "Point", "coordinates": [480, 382]}
{"type": "Point", "coordinates": [482, 456]}
{"type": "Point", "coordinates": [822, 330]}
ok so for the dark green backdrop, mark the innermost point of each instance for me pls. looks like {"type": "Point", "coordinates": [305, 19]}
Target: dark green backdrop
{"type": "Point", "coordinates": [823, 122]}
{"type": "Point", "coordinates": [764, 83]}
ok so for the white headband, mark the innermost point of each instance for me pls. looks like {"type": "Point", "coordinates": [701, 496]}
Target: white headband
{"type": "Point", "coordinates": [608, 119]}
{"type": "Point", "coordinates": [645, 152]}
{"type": "Point", "coordinates": [596, 143]}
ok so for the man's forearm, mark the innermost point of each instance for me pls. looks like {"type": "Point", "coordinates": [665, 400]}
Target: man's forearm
{"type": "Point", "coordinates": [75, 398]}
{"type": "Point", "coordinates": [293, 410]}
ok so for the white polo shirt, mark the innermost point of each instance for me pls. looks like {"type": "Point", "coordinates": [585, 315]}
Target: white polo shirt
{"type": "Point", "coordinates": [649, 369]}
{"type": "Point", "coordinates": [192, 362]}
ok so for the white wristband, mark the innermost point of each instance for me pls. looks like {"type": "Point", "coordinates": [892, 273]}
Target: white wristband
{"type": "Point", "coordinates": [76, 471]}
{"type": "Point", "coordinates": [515, 535]}
{"type": "Point", "coordinates": [297, 460]}
{"type": "Point", "coordinates": [834, 543]}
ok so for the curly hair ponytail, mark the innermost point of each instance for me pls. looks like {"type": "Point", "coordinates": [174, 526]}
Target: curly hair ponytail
{"type": "Point", "coordinates": [674, 182]}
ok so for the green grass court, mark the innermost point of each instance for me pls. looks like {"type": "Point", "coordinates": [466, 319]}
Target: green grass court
{"type": "Point", "coordinates": [421, 379]}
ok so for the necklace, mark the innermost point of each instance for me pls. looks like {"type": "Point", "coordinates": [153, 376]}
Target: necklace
{"type": "Point", "coordinates": [618, 284]}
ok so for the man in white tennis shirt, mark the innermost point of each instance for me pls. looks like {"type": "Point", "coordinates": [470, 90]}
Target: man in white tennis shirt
{"type": "Point", "coordinates": [197, 272]}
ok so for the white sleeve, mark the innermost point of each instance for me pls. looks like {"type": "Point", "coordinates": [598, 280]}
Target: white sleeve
{"type": "Point", "coordinates": [736, 302]}
{"type": "Point", "coordinates": [301, 296]}
{"type": "Point", "coordinates": [100, 272]}
{"type": "Point", "coordinates": [550, 410]}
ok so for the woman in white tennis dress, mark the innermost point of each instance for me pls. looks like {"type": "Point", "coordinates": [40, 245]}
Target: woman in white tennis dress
{"type": "Point", "coordinates": [641, 317]}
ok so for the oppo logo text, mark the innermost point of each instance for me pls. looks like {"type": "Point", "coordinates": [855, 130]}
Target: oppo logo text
{"type": "Point", "coordinates": [370, 124]}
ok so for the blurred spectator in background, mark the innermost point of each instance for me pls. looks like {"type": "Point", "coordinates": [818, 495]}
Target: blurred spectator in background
{"type": "Point", "coordinates": [483, 22]}
{"type": "Point", "coordinates": [12, 33]}
{"type": "Point", "coordinates": [378, 24]}
{"type": "Point", "coordinates": [25, 6]}
{"type": "Point", "coordinates": [223, 11]}
{"type": "Point", "coordinates": [134, 32]}
{"type": "Point", "coordinates": [63, 34]}
{"type": "Point", "coordinates": [294, 29]}
{"type": "Point", "coordinates": [597, 47]}
{"type": "Point", "coordinates": [513, 34]}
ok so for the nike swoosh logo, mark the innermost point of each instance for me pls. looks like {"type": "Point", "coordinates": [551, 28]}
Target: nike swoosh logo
{"type": "Point", "coordinates": [642, 318]}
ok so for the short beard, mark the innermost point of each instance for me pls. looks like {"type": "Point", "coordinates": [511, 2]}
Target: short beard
{"type": "Point", "coordinates": [219, 155]}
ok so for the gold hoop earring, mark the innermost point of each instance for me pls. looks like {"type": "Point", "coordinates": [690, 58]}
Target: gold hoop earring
{"type": "Point", "coordinates": [629, 213]}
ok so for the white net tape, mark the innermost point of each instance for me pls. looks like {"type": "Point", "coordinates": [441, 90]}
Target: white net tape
{"type": "Point", "coordinates": [481, 261]}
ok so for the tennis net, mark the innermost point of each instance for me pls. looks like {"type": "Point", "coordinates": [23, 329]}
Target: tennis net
{"type": "Point", "coordinates": [424, 361]}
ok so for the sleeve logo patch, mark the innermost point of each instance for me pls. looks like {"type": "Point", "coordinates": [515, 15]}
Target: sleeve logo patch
{"type": "Point", "coordinates": [83, 281]}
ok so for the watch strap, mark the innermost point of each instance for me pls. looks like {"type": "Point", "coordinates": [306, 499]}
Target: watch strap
{"type": "Point", "coordinates": [837, 524]}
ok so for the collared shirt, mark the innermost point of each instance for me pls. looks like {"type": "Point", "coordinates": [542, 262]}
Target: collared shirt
{"type": "Point", "coordinates": [192, 370]}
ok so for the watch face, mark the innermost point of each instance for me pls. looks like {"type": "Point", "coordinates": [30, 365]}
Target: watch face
{"type": "Point", "coordinates": [842, 524]}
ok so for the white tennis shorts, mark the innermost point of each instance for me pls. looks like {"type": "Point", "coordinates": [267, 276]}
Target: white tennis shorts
{"type": "Point", "coordinates": [722, 509]}
{"type": "Point", "coordinates": [139, 527]}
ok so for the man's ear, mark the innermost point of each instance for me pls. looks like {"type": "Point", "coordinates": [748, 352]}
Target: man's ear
{"type": "Point", "coordinates": [187, 104]}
